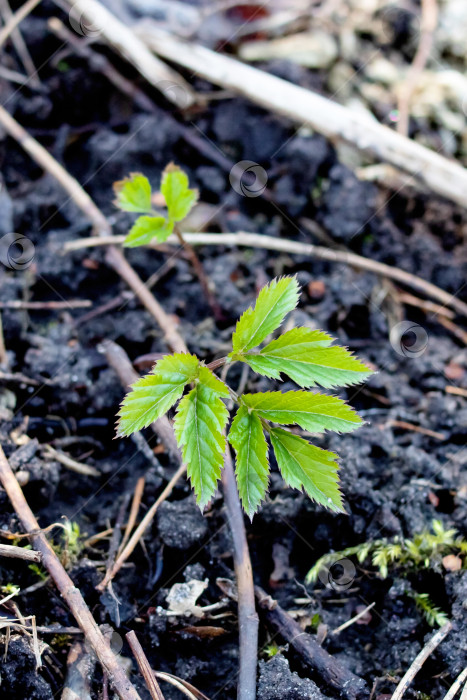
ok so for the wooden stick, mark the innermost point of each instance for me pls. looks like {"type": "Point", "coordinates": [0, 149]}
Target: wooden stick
{"type": "Point", "coordinates": [420, 659]}
{"type": "Point", "coordinates": [428, 24]}
{"type": "Point", "coordinates": [404, 425]}
{"type": "Point", "coordinates": [331, 671]}
{"type": "Point", "coordinates": [11, 30]}
{"type": "Point", "coordinates": [353, 619]}
{"type": "Point", "coordinates": [114, 256]}
{"type": "Point", "coordinates": [454, 689]}
{"type": "Point", "coordinates": [183, 686]}
{"type": "Point", "coordinates": [16, 18]}
{"type": "Point", "coordinates": [72, 596]}
{"type": "Point", "coordinates": [46, 305]}
{"type": "Point", "coordinates": [9, 550]}
{"type": "Point", "coordinates": [255, 240]}
{"type": "Point", "coordinates": [144, 666]}
{"type": "Point", "coordinates": [141, 529]}
{"type": "Point", "coordinates": [454, 329]}
{"type": "Point", "coordinates": [71, 463]}
{"type": "Point", "coordinates": [427, 306]}
{"type": "Point", "coordinates": [248, 621]}
{"type": "Point", "coordinates": [134, 50]}
{"type": "Point", "coordinates": [444, 177]}
{"type": "Point", "coordinates": [134, 510]}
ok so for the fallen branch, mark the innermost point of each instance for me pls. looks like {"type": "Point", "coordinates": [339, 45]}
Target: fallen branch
{"type": "Point", "coordinates": [71, 595]}
{"type": "Point", "coordinates": [444, 177]}
{"type": "Point", "coordinates": [124, 40]}
{"type": "Point", "coordinates": [256, 240]}
{"type": "Point", "coordinates": [329, 670]}
{"type": "Point", "coordinates": [420, 659]}
{"type": "Point", "coordinates": [9, 550]}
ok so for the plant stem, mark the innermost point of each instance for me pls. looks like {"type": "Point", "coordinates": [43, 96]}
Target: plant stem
{"type": "Point", "coordinates": [215, 364]}
{"type": "Point", "coordinates": [199, 270]}
{"type": "Point", "coordinates": [248, 622]}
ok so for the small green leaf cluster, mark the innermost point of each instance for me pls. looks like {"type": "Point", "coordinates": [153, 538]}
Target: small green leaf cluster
{"type": "Point", "coordinates": [306, 356]}
{"type": "Point", "coordinates": [425, 550]}
{"type": "Point", "coordinates": [134, 194]}
{"type": "Point", "coordinates": [432, 614]}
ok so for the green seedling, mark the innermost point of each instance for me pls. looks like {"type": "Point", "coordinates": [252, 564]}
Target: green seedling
{"type": "Point", "coordinates": [134, 194]}
{"type": "Point", "coordinates": [308, 357]}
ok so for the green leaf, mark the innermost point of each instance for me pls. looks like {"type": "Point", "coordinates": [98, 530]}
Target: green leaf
{"type": "Point", "coordinates": [312, 412]}
{"type": "Point", "coordinates": [145, 229]}
{"type": "Point", "coordinates": [305, 466]}
{"type": "Point", "coordinates": [252, 468]}
{"type": "Point", "coordinates": [199, 423]}
{"type": "Point", "coordinates": [133, 193]}
{"type": "Point", "coordinates": [275, 300]}
{"type": "Point", "coordinates": [212, 382]}
{"type": "Point", "coordinates": [309, 359]}
{"type": "Point", "coordinates": [178, 197]}
{"type": "Point", "coordinates": [153, 395]}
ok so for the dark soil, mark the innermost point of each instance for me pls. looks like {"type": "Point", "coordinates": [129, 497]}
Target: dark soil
{"type": "Point", "coordinates": [395, 480]}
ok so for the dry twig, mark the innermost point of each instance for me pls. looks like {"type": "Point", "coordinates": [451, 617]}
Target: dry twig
{"type": "Point", "coordinates": [141, 529]}
{"type": "Point", "coordinates": [46, 305]}
{"type": "Point", "coordinates": [454, 689]}
{"type": "Point", "coordinates": [130, 46]}
{"type": "Point", "coordinates": [183, 686]}
{"type": "Point", "coordinates": [429, 20]}
{"type": "Point", "coordinates": [328, 668]}
{"type": "Point", "coordinates": [71, 463]}
{"type": "Point", "coordinates": [11, 30]}
{"type": "Point", "coordinates": [419, 660]}
{"type": "Point", "coordinates": [9, 550]}
{"type": "Point", "coordinates": [72, 596]}
{"type": "Point", "coordinates": [16, 18]}
{"type": "Point", "coordinates": [338, 123]}
{"type": "Point", "coordinates": [144, 666]}
{"type": "Point", "coordinates": [353, 619]}
{"type": "Point", "coordinates": [255, 240]}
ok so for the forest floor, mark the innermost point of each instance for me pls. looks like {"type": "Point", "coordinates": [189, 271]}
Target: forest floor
{"type": "Point", "coordinates": [402, 470]}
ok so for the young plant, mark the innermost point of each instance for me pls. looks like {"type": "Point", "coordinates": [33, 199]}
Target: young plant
{"type": "Point", "coordinates": [307, 356]}
{"type": "Point", "coordinates": [134, 194]}
{"type": "Point", "coordinates": [425, 550]}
